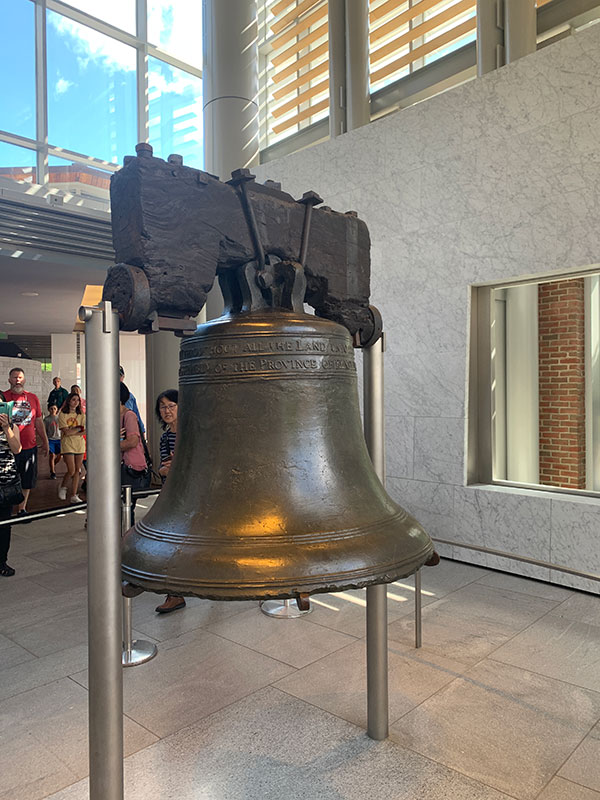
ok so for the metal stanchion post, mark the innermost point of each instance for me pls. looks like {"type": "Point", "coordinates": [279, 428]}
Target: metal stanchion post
{"type": "Point", "coordinates": [283, 609]}
{"type": "Point", "coordinates": [104, 554]}
{"type": "Point", "coordinates": [418, 627]}
{"type": "Point", "coordinates": [136, 651]}
{"type": "Point", "coordinates": [377, 634]}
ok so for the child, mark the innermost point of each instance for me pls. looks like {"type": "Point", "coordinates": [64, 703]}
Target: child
{"type": "Point", "coordinates": [53, 433]}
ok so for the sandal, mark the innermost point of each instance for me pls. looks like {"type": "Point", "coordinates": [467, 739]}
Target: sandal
{"type": "Point", "coordinates": [6, 571]}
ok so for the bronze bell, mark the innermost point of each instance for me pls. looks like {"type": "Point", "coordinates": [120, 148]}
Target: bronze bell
{"type": "Point", "coordinates": [272, 492]}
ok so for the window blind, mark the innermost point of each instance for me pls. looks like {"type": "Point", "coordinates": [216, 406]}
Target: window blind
{"type": "Point", "coordinates": [403, 36]}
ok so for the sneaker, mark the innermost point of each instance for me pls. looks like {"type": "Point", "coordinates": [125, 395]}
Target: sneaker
{"type": "Point", "coordinates": [6, 571]}
{"type": "Point", "coordinates": [62, 492]}
{"type": "Point", "coordinates": [76, 499]}
{"type": "Point", "coordinates": [53, 476]}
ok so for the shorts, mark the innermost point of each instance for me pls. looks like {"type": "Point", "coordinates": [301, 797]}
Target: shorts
{"type": "Point", "coordinates": [27, 467]}
{"type": "Point", "coordinates": [54, 446]}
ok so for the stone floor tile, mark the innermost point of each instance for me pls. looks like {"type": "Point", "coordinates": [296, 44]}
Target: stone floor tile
{"type": "Point", "coordinates": [63, 580]}
{"type": "Point", "coordinates": [464, 640]}
{"type": "Point", "coordinates": [42, 639]}
{"type": "Point", "coordinates": [18, 614]}
{"type": "Point", "coordinates": [297, 642]}
{"type": "Point", "coordinates": [446, 577]}
{"type": "Point", "coordinates": [559, 789]}
{"type": "Point", "coordinates": [517, 583]}
{"type": "Point", "coordinates": [19, 591]}
{"type": "Point", "coordinates": [197, 614]}
{"type": "Point", "coordinates": [12, 654]}
{"type": "Point", "coordinates": [187, 682]}
{"type": "Point", "coordinates": [41, 671]}
{"type": "Point", "coordinates": [514, 610]}
{"type": "Point", "coordinates": [347, 611]}
{"type": "Point", "coordinates": [270, 746]}
{"type": "Point", "coordinates": [559, 648]}
{"type": "Point", "coordinates": [506, 727]}
{"type": "Point", "coordinates": [338, 682]}
{"type": "Point", "coordinates": [470, 623]}
{"type": "Point", "coordinates": [65, 556]}
{"type": "Point", "coordinates": [580, 607]}
{"type": "Point", "coordinates": [25, 566]}
{"type": "Point", "coordinates": [44, 735]}
{"type": "Point", "coordinates": [583, 767]}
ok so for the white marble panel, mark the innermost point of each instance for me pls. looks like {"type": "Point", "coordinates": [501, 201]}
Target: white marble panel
{"type": "Point", "coordinates": [399, 446]}
{"type": "Point", "coordinates": [583, 584]}
{"type": "Point", "coordinates": [517, 523]}
{"type": "Point", "coordinates": [393, 206]}
{"type": "Point", "coordinates": [446, 191]}
{"type": "Point", "coordinates": [439, 448]}
{"type": "Point", "coordinates": [431, 384]}
{"type": "Point", "coordinates": [430, 503]}
{"type": "Point", "coordinates": [426, 318]}
{"type": "Point", "coordinates": [509, 101]}
{"type": "Point", "coordinates": [509, 242]}
{"type": "Point", "coordinates": [575, 534]}
{"type": "Point", "coordinates": [424, 133]}
{"type": "Point", "coordinates": [431, 255]}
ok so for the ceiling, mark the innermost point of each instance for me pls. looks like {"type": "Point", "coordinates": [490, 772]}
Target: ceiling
{"type": "Point", "coordinates": [60, 281]}
{"type": "Point", "coordinates": [53, 247]}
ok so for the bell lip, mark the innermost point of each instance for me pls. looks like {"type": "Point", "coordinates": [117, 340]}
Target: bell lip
{"type": "Point", "coordinates": [284, 589]}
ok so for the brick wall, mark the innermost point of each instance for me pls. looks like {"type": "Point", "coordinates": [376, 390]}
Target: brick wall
{"type": "Point", "coordinates": [562, 383]}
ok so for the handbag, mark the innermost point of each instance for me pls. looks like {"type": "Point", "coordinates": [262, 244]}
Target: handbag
{"type": "Point", "coordinates": [11, 494]}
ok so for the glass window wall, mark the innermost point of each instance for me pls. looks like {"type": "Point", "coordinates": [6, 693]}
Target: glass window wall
{"type": "Point", "coordinates": [121, 13]}
{"type": "Point", "coordinates": [94, 80]}
{"type": "Point", "coordinates": [17, 68]}
{"type": "Point", "coordinates": [91, 90]}
{"type": "Point", "coordinates": [175, 118]}
{"type": "Point", "coordinates": [17, 163]}
{"type": "Point", "coordinates": [175, 26]}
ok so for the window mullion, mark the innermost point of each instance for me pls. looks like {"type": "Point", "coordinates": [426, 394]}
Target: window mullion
{"type": "Point", "coordinates": [41, 93]}
{"type": "Point", "coordinates": [143, 127]}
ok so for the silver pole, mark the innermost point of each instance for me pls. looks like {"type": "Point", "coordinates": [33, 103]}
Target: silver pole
{"type": "Point", "coordinates": [336, 16]}
{"type": "Point", "coordinates": [490, 36]}
{"type": "Point", "coordinates": [418, 625]}
{"type": "Point", "coordinates": [520, 29]}
{"type": "Point", "coordinates": [104, 554]}
{"type": "Point", "coordinates": [377, 655]}
{"type": "Point", "coordinates": [358, 99]}
{"type": "Point", "coordinates": [136, 651]}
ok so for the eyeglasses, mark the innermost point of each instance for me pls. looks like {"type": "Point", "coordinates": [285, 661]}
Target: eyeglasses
{"type": "Point", "coordinates": [169, 407]}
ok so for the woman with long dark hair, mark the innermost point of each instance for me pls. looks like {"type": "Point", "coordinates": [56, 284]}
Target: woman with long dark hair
{"type": "Point", "coordinates": [166, 413]}
{"type": "Point", "coordinates": [10, 485]}
{"type": "Point", "coordinates": [71, 422]}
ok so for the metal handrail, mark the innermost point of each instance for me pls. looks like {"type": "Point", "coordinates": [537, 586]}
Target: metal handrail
{"type": "Point", "coordinates": [48, 513]}
{"type": "Point", "coordinates": [525, 559]}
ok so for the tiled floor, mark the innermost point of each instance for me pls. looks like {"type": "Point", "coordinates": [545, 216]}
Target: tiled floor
{"type": "Point", "coordinates": [502, 701]}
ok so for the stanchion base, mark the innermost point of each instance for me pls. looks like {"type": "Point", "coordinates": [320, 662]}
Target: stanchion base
{"type": "Point", "coordinates": [282, 609]}
{"type": "Point", "coordinates": [141, 651]}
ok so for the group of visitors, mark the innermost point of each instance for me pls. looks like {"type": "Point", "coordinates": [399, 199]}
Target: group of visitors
{"type": "Point", "coordinates": [62, 436]}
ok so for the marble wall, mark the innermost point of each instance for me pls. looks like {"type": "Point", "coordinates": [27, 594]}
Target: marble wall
{"type": "Point", "coordinates": [495, 179]}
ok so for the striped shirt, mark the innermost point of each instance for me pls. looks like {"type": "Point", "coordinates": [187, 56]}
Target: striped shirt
{"type": "Point", "coordinates": [167, 446]}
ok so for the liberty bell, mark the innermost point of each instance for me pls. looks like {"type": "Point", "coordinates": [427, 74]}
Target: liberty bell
{"type": "Point", "coordinates": [271, 493]}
